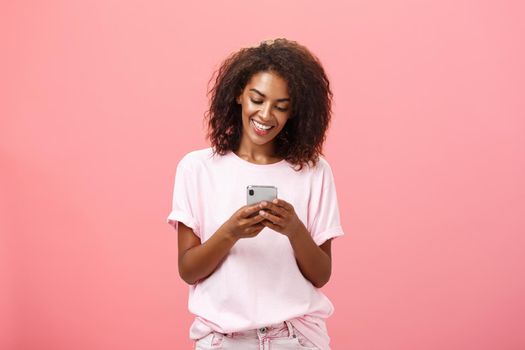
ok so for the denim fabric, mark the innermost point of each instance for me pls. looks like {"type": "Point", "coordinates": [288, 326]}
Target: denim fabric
{"type": "Point", "coordinates": [280, 336]}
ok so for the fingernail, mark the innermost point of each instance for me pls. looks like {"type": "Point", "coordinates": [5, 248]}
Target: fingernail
{"type": "Point", "coordinates": [264, 204]}
{"type": "Point", "coordinates": [275, 200]}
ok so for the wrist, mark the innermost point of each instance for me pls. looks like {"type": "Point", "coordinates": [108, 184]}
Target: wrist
{"type": "Point", "coordinates": [229, 236]}
{"type": "Point", "coordinates": [299, 231]}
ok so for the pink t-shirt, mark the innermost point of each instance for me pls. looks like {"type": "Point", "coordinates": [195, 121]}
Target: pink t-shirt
{"type": "Point", "coordinates": [259, 282]}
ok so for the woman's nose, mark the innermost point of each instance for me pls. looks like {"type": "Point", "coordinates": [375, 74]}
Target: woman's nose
{"type": "Point", "coordinates": [265, 112]}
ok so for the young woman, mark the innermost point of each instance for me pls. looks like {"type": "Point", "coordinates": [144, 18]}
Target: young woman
{"type": "Point", "coordinates": [255, 271]}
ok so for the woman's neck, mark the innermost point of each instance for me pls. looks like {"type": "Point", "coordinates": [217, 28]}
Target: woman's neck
{"type": "Point", "coordinates": [259, 154]}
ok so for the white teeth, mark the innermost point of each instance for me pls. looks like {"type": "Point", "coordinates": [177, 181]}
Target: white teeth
{"type": "Point", "coordinates": [261, 126]}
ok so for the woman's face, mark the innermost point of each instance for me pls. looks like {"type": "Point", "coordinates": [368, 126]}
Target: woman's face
{"type": "Point", "coordinates": [264, 100]}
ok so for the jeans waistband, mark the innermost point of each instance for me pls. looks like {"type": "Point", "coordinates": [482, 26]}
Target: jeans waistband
{"type": "Point", "coordinates": [276, 330]}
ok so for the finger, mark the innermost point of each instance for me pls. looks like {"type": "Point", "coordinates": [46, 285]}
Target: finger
{"type": "Point", "coordinates": [271, 225]}
{"type": "Point", "coordinates": [256, 219]}
{"type": "Point", "coordinates": [280, 211]}
{"type": "Point", "coordinates": [255, 228]}
{"type": "Point", "coordinates": [274, 219]}
{"type": "Point", "coordinates": [283, 204]}
{"type": "Point", "coordinates": [247, 211]}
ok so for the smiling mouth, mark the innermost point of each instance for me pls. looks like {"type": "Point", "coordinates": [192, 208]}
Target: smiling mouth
{"type": "Point", "coordinates": [260, 131]}
{"type": "Point", "coordinates": [261, 126]}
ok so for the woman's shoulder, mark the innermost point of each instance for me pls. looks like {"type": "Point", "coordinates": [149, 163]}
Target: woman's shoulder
{"type": "Point", "coordinates": [193, 158]}
{"type": "Point", "coordinates": [322, 165]}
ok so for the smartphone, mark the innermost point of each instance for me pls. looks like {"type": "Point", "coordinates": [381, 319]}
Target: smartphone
{"type": "Point", "coordinates": [259, 193]}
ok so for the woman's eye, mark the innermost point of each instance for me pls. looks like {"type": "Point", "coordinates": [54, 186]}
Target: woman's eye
{"type": "Point", "coordinates": [279, 108]}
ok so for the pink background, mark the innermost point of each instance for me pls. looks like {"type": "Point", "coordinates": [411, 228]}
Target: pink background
{"type": "Point", "coordinates": [100, 99]}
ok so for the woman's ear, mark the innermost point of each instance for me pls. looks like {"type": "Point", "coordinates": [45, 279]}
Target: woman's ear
{"type": "Point", "coordinates": [239, 98]}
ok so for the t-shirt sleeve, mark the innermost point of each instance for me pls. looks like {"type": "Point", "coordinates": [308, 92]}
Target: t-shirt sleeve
{"type": "Point", "coordinates": [323, 219]}
{"type": "Point", "coordinates": [183, 201]}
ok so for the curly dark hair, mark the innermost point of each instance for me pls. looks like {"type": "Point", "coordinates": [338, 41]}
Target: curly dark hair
{"type": "Point", "coordinates": [301, 139]}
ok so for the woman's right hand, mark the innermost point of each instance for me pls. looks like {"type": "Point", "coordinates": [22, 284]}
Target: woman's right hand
{"type": "Point", "coordinates": [241, 225]}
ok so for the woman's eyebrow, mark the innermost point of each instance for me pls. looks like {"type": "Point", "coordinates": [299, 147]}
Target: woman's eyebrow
{"type": "Point", "coordinates": [263, 95]}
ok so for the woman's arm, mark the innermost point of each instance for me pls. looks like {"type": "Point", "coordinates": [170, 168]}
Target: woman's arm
{"type": "Point", "coordinates": [197, 261]}
{"type": "Point", "coordinates": [315, 262]}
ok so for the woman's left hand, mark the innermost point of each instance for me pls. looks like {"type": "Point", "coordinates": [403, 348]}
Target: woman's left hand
{"type": "Point", "coordinates": [280, 216]}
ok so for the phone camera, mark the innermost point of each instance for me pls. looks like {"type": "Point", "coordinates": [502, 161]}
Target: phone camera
{"type": "Point", "coordinates": [250, 192]}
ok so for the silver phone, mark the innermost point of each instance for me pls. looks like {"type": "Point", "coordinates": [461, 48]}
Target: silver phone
{"type": "Point", "coordinates": [259, 193]}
